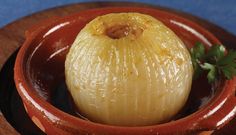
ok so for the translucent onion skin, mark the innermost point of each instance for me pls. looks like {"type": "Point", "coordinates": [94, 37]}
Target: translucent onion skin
{"type": "Point", "coordinates": [139, 79]}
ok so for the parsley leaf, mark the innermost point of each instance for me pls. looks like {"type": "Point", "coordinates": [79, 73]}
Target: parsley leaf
{"type": "Point", "coordinates": [211, 76]}
{"type": "Point", "coordinates": [215, 53]}
{"type": "Point", "coordinates": [227, 64]}
{"type": "Point", "coordinates": [228, 59]}
{"type": "Point", "coordinates": [197, 53]}
{"type": "Point", "coordinates": [216, 62]}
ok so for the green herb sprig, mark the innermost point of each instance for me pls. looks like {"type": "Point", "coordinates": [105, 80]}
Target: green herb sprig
{"type": "Point", "coordinates": [216, 62]}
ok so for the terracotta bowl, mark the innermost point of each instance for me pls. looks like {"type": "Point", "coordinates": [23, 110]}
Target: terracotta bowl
{"type": "Point", "coordinates": [39, 78]}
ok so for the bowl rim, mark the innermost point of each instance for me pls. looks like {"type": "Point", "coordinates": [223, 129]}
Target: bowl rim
{"type": "Point", "coordinates": [190, 122]}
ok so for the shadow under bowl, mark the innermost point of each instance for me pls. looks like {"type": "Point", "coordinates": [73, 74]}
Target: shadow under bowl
{"type": "Point", "coordinates": [39, 78]}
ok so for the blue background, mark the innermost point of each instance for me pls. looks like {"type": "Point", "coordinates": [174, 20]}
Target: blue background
{"type": "Point", "coordinates": [220, 12]}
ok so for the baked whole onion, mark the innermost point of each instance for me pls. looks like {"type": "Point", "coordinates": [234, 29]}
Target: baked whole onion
{"type": "Point", "coordinates": [128, 69]}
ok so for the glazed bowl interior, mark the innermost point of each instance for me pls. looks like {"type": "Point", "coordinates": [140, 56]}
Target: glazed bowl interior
{"type": "Point", "coordinates": [46, 48]}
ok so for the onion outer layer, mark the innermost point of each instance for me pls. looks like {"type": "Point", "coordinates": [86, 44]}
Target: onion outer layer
{"type": "Point", "coordinates": [141, 78]}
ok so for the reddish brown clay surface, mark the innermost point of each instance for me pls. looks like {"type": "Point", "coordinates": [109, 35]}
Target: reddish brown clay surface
{"type": "Point", "coordinates": [12, 36]}
{"type": "Point", "coordinates": [39, 69]}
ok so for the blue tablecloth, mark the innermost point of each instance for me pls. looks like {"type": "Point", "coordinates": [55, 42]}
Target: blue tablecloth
{"type": "Point", "coordinates": [220, 12]}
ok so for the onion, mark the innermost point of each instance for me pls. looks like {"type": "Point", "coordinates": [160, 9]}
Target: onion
{"type": "Point", "coordinates": [128, 69]}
